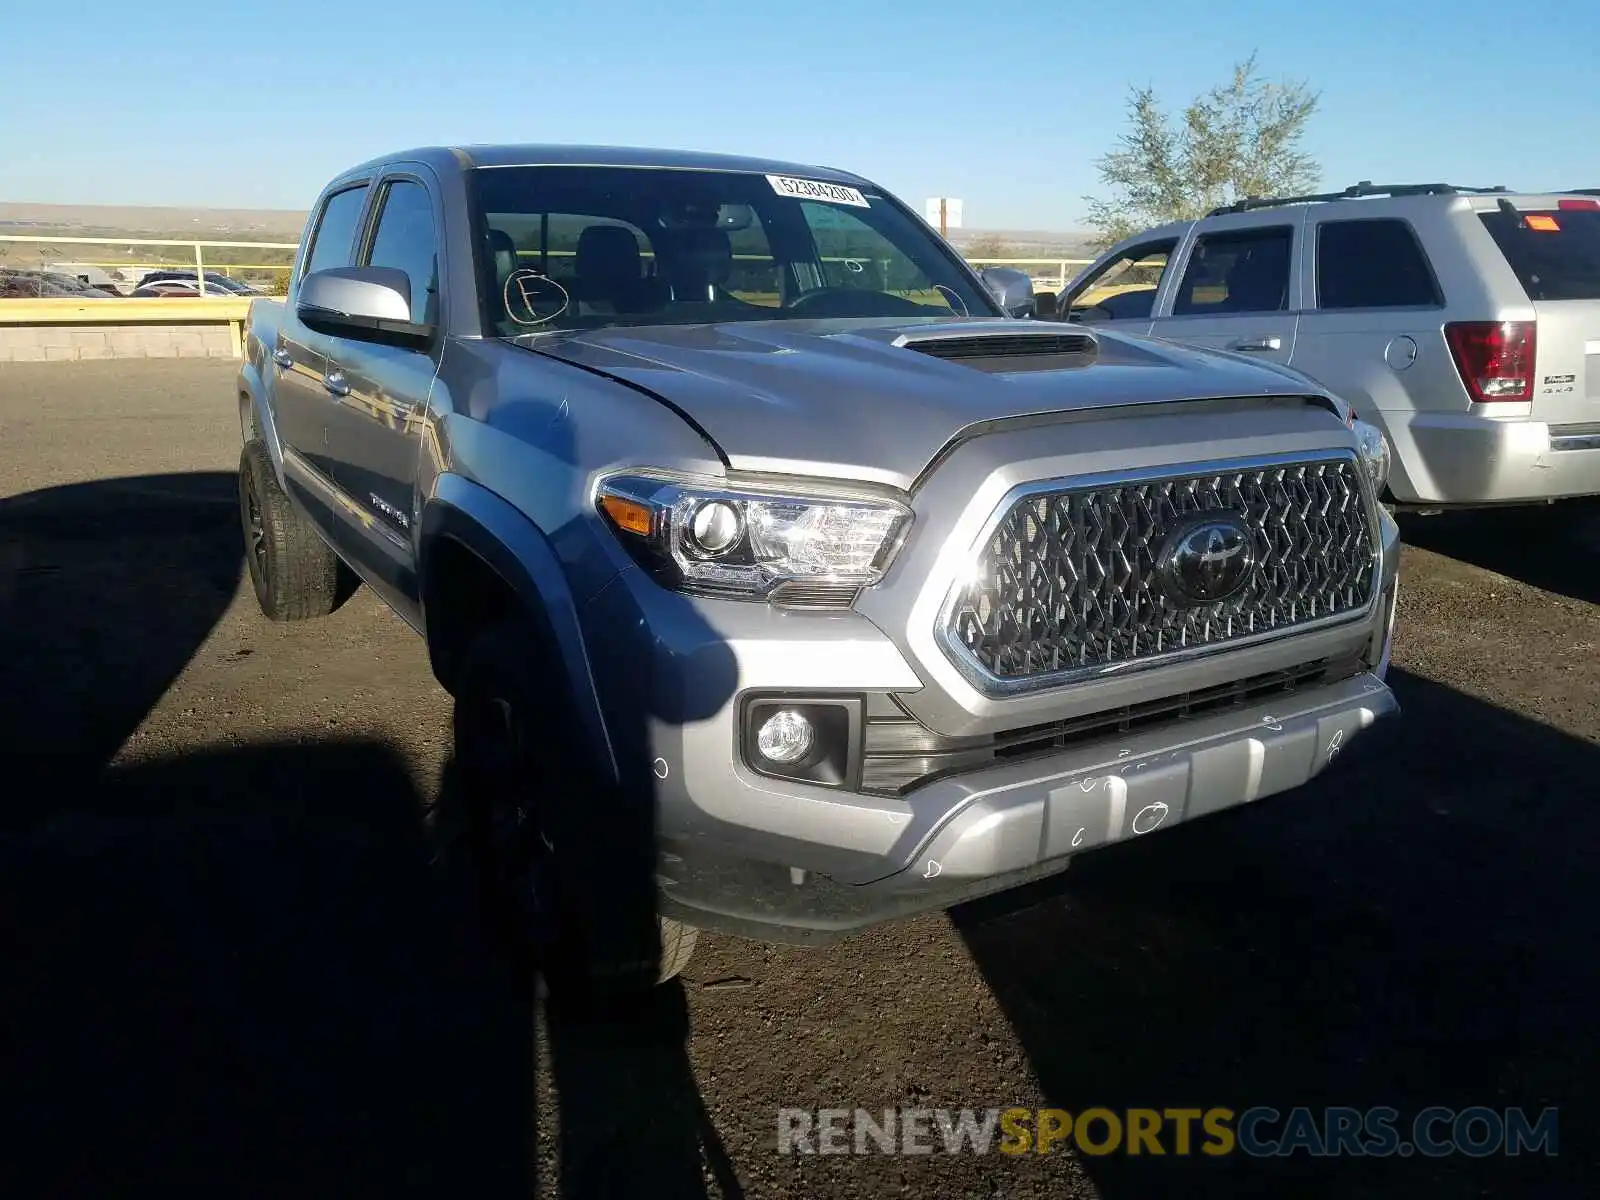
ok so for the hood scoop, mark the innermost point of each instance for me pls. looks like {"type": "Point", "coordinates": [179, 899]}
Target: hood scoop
{"type": "Point", "coordinates": [1002, 352]}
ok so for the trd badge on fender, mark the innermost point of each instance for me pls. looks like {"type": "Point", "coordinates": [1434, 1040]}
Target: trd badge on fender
{"type": "Point", "coordinates": [1206, 558]}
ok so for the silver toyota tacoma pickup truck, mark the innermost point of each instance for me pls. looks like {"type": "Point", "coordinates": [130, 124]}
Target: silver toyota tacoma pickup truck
{"type": "Point", "coordinates": [786, 576]}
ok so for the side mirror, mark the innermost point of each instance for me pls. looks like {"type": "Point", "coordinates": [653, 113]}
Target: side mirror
{"type": "Point", "coordinates": [1044, 306]}
{"type": "Point", "coordinates": [1012, 288]}
{"type": "Point", "coordinates": [370, 304]}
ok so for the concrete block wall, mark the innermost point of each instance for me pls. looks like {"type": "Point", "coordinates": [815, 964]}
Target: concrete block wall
{"type": "Point", "coordinates": [73, 343]}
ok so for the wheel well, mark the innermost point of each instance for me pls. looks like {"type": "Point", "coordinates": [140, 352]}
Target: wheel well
{"type": "Point", "coordinates": [247, 416]}
{"type": "Point", "coordinates": [461, 595]}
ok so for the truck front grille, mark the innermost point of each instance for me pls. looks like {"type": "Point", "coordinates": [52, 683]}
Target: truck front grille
{"type": "Point", "coordinates": [1068, 581]}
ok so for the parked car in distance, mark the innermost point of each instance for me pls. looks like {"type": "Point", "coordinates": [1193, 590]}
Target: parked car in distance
{"type": "Point", "coordinates": [113, 280]}
{"type": "Point", "coordinates": [16, 284]}
{"type": "Point", "coordinates": [162, 288]}
{"type": "Point", "coordinates": [216, 282]}
{"type": "Point", "coordinates": [187, 288]}
{"type": "Point", "coordinates": [1464, 323]}
{"type": "Point", "coordinates": [782, 596]}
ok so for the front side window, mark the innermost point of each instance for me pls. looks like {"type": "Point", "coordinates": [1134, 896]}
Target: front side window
{"type": "Point", "coordinates": [333, 244]}
{"type": "Point", "coordinates": [589, 247]}
{"type": "Point", "coordinates": [1237, 271]}
{"type": "Point", "coordinates": [1125, 287]}
{"type": "Point", "coordinates": [404, 239]}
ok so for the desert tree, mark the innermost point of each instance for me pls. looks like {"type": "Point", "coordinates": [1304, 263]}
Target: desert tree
{"type": "Point", "coordinates": [1238, 139]}
{"type": "Point", "coordinates": [988, 245]}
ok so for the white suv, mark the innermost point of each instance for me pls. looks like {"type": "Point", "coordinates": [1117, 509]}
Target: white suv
{"type": "Point", "coordinates": [1465, 323]}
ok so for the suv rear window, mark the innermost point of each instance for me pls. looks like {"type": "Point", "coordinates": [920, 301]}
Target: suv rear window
{"type": "Point", "coordinates": [1556, 255]}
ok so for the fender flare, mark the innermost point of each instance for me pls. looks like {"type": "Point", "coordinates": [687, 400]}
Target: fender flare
{"type": "Point", "coordinates": [511, 546]}
{"type": "Point", "coordinates": [253, 403]}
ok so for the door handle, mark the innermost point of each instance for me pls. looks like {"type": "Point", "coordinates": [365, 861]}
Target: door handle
{"type": "Point", "coordinates": [334, 382]}
{"type": "Point", "coordinates": [283, 358]}
{"type": "Point", "coordinates": [1271, 342]}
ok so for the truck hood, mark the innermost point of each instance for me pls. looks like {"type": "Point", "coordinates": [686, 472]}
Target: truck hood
{"type": "Point", "coordinates": [877, 402]}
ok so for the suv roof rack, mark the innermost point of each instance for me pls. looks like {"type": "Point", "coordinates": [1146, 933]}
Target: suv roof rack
{"type": "Point", "coordinates": [1364, 188]}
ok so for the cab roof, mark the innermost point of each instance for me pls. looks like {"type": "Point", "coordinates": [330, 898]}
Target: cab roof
{"type": "Point", "coordinates": [472, 157]}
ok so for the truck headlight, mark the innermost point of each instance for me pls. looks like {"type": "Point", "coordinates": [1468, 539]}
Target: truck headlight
{"type": "Point", "coordinates": [1374, 450]}
{"type": "Point", "coordinates": [746, 541]}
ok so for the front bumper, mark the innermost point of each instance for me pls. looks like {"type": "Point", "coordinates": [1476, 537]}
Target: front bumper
{"type": "Point", "coordinates": [1467, 458]}
{"type": "Point", "coordinates": [997, 829]}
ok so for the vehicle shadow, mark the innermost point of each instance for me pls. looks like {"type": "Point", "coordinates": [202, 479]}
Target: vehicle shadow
{"type": "Point", "coordinates": [1554, 547]}
{"type": "Point", "coordinates": [235, 973]}
{"type": "Point", "coordinates": [1412, 929]}
{"type": "Point", "coordinates": [260, 970]}
{"type": "Point", "coordinates": [107, 590]}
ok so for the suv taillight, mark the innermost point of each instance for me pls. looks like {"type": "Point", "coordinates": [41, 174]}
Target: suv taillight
{"type": "Point", "coordinates": [1495, 358]}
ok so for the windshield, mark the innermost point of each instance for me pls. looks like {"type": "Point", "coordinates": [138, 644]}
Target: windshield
{"type": "Point", "coordinates": [589, 247]}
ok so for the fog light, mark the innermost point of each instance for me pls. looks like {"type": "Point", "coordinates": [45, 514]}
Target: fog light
{"type": "Point", "coordinates": [803, 739]}
{"type": "Point", "coordinates": [785, 737]}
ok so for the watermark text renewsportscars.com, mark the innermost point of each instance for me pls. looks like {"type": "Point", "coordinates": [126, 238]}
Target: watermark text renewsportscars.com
{"type": "Point", "coordinates": [1259, 1132]}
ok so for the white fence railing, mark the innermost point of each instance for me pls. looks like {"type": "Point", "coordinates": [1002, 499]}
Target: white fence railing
{"type": "Point", "coordinates": [1047, 273]}
{"type": "Point", "coordinates": [192, 252]}
{"type": "Point", "coordinates": [1065, 268]}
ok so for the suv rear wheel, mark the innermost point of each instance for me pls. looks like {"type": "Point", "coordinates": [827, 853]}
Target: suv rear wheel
{"type": "Point", "coordinates": [535, 810]}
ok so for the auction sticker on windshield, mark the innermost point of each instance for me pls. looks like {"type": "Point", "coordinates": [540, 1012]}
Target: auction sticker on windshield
{"type": "Point", "coordinates": [812, 189]}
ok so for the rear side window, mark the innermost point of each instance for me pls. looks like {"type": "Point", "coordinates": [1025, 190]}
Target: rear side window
{"type": "Point", "coordinates": [1375, 263]}
{"type": "Point", "coordinates": [1556, 255]}
{"type": "Point", "coordinates": [334, 242]}
{"type": "Point", "coordinates": [1239, 271]}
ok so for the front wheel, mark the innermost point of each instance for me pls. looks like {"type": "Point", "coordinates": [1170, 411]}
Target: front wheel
{"type": "Point", "coordinates": [552, 837]}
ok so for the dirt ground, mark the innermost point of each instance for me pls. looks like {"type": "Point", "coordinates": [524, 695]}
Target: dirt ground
{"type": "Point", "coordinates": [234, 962]}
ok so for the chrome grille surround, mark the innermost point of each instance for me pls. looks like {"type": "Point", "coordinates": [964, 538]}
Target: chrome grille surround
{"type": "Point", "coordinates": [1063, 586]}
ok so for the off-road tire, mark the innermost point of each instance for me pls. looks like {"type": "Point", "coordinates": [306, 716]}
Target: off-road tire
{"type": "Point", "coordinates": [586, 948]}
{"type": "Point", "coordinates": [294, 573]}
{"type": "Point", "coordinates": [677, 947]}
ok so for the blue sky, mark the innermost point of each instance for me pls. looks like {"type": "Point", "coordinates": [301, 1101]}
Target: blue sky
{"type": "Point", "coordinates": [1006, 105]}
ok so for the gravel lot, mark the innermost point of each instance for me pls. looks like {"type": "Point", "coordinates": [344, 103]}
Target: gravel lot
{"type": "Point", "coordinates": [234, 963]}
